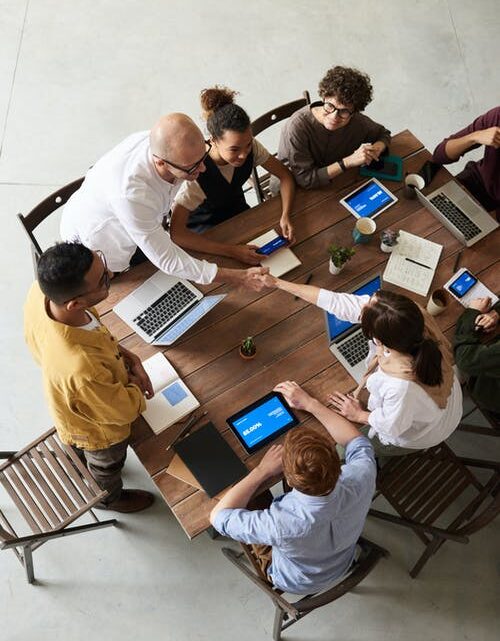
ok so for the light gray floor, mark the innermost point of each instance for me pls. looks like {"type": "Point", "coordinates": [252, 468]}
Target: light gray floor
{"type": "Point", "coordinates": [75, 78]}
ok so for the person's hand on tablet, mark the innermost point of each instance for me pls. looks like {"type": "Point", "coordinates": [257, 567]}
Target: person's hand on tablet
{"type": "Point", "coordinates": [295, 396]}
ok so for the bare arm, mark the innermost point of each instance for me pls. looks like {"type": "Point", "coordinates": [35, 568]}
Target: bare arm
{"type": "Point", "coordinates": [287, 190]}
{"type": "Point", "coordinates": [188, 239]}
{"type": "Point", "coordinates": [340, 429]}
{"type": "Point", "coordinates": [309, 293]}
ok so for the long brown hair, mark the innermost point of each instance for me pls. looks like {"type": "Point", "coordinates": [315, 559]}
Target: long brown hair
{"type": "Point", "coordinates": [397, 322]}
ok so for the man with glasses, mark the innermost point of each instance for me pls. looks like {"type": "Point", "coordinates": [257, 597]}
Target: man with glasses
{"type": "Point", "coordinates": [324, 139]}
{"type": "Point", "coordinates": [94, 386]}
{"type": "Point", "coordinates": [126, 196]}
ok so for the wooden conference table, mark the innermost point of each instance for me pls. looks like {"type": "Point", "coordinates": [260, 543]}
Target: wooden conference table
{"type": "Point", "coordinates": [289, 334]}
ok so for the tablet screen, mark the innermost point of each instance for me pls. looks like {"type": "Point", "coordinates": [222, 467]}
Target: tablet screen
{"type": "Point", "coordinates": [262, 421]}
{"type": "Point", "coordinates": [369, 200]}
{"type": "Point", "coordinates": [464, 283]}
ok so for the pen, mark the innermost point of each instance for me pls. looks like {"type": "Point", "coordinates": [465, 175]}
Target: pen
{"type": "Point", "coordinates": [457, 261]}
{"type": "Point", "coordinates": [410, 260]}
{"type": "Point", "coordinates": [188, 425]}
{"type": "Point", "coordinates": [306, 282]}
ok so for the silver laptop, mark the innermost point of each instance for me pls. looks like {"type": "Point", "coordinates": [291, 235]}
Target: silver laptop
{"type": "Point", "coordinates": [164, 307]}
{"type": "Point", "coordinates": [346, 340]}
{"type": "Point", "coordinates": [458, 212]}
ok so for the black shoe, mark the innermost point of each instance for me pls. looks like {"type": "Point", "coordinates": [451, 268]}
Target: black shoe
{"type": "Point", "coordinates": [129, 501]}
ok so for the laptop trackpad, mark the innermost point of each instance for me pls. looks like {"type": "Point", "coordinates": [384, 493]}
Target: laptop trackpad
{"type": "Point", "coordinates": [147, 294]}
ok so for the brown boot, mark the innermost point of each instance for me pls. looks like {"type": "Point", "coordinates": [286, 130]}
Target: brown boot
{"type": "Point", "coordinates": [129, 501]}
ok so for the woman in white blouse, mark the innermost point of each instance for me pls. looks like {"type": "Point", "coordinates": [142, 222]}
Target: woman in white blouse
{"type": "Point", "coordinates": [217, 193]}
{"type": "Point", "coordinates": [414, 396]}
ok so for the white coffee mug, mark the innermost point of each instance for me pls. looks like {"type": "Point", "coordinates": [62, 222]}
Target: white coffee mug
{"type": "Point", "coordinates": [412, 182]}
{"type": "Point", "coordinates": [438, 300]}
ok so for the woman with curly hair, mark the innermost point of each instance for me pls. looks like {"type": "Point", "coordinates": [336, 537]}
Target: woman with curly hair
{"type": "Point", "coordinates": [217, 194]}
{"type": "Point", "coordinates": [322, 140]}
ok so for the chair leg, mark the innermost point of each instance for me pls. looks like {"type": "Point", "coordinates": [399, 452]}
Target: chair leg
{"type": "Point", "coordinates": [428, 552]}
{"type": "Point", "coordinates": [279, 615]}
{"type": "Point", "coordinates": [28, 563]}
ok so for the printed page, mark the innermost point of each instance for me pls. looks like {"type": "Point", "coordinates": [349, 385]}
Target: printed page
{"type": "Point", "coordinates": [413, 263]}
{"type": "Point", "coordinates": [160, 371]}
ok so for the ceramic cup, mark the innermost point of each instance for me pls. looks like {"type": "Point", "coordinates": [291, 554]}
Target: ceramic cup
{"type": "Point", "coordinates": [438, 300]}
{"type": "Point", "coordinates": [363, 230]}
{"type": "Point", "coordinates": [412, 181]}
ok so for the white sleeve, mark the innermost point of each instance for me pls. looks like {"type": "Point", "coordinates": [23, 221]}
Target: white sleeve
{"type": "Point", "coordinates": [190, 195]}
{"type": "Point", "coordinates": [260, 153]}
{"type": "Point", "coordinates": [144, 228]}
{"type": "Point", "coordinates": [395, 413]}
{"type": "Point", "coordinates": [345, 306]}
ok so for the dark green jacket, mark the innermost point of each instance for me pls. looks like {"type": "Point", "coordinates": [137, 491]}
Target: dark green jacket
{"type": "Point", "coordinates": [479, 361]}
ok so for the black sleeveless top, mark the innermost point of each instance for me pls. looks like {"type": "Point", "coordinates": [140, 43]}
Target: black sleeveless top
{"type": "Point", "coordinates": [223, 199]}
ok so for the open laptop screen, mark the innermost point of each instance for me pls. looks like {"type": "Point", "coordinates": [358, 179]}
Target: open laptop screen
{"type": "Point", "coordinates": [337, 327]}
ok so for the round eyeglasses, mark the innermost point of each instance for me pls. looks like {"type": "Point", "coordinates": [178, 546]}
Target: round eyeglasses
{"type": "Point", "coordinates": [343, 114]}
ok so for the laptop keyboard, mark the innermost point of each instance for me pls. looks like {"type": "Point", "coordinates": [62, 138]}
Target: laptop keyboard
{"type": "Point", "coordinates": [456, 216]}
{"type": "Point", "coordinates": [354, 349]}
{"type": "Point", "coordinates": [164, 309]}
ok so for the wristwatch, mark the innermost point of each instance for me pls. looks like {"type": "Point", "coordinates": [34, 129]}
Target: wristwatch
{"type": "Point", "coordinates": [342, 164]}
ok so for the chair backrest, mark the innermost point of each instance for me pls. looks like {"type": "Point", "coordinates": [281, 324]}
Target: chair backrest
{"type": "Point", "coordinates": [39, 213]}
{"type": "Point", "coordinates": [270, 118]}
{"type": "Point", "coordinates": [49, 485]}
{"type": "Point", "coordinates": [280, 113]}
{"type": "Point", "coordinates": [288, 612]}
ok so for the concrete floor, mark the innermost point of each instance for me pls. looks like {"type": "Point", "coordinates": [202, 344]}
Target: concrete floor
{"type": "Point", "coordinates": [75, 78]}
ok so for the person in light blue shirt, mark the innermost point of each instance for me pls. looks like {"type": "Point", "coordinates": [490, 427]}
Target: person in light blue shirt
{"type": "Point", "coordinates": [313, 529]}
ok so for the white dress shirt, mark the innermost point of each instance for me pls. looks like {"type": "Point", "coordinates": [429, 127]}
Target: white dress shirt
{"type": "Point", "coordinates": [121, 205]}
{"type": "Point", "coordinates": [401, 411]}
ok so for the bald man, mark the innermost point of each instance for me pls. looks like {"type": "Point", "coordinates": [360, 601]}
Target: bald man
{"type": "Point", "coordinates": [123, 201]}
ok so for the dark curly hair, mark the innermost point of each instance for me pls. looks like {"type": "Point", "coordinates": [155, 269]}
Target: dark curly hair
{"type": "Point", "coordinates": [221, 113]}
{"type": "Point", "coordinates": [61, 271]}
{"type": "Point", "coordinates": [350, 86]}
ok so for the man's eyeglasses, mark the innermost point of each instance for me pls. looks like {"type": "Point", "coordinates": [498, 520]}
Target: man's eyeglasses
{"type": "Point", "coordinates": [330, 108]}
{"type": "Point", "coordinates": [104, 281]}
{"type": "Point", "coordinates": [193, 168]}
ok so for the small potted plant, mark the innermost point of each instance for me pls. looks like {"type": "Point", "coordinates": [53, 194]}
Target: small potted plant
{"type": "Point", "coordinates": [339, 257]}
{"type": "Point", "coordinates": [388, 240]}
{"type": "Point", "coordinates": [247, 348]}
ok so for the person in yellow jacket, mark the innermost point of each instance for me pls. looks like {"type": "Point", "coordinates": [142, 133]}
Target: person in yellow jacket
{"type": "Point", "coordinates": [94, 386]}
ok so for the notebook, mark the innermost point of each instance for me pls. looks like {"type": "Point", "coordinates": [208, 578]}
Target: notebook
{"type": "Point", "coordinates": [172, 400]}
{"type": "Point", "coordinates": [412, 263]}
{"type": "Point", "coordinates": [210, 459]}
{"type": "Point", "coordinates": [279, 262]}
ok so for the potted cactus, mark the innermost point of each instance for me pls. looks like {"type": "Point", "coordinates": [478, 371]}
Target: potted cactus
{"type": "Point", "coordinates": [388, 240]}
{"type": "Point", "coordinates": [339, 257]}
{"type": "Point", "coordinates": [247, 348]}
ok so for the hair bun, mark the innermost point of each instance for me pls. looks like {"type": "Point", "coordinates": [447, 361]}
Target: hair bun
{"type": "Point", "coordinates": [215, 98]}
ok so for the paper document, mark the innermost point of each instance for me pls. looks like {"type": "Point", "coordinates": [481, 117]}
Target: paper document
{"type": "Point", "coordinates": [279, 262]}
{"type": "Point", "coordinates": [412, 263]}
{"type": "Point", "coordinates": [172, 400]}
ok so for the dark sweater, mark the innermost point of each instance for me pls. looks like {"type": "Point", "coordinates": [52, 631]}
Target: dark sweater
{"type": "Point", "coordinates": [309, 147]}
{"type": "Point", "coordinates": [479, 361]}
{"type": "Point", "coordinates": [489, 167]}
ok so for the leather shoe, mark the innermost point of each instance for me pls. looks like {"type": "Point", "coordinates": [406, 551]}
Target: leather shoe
{"type": "Point", "coordinates": [129, 501]}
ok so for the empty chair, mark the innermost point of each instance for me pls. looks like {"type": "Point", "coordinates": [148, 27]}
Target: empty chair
{"type": "Point", "coordinates": [50, 488]}
{"type": "Point", "coordinates": [289, 612]}
{"type": "Point", "coordinates": [437, 496]}
{"type": "Point", "coordinates": [42, 211]}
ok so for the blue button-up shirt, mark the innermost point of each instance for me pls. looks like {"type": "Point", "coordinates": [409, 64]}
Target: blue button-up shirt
{"type": "Point", "coordinates": [313, 537]}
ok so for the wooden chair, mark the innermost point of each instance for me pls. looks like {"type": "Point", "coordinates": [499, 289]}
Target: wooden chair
{"type": "Point", "coordinates": [42, 211]}
{"type": "Point", "coordinates": [51, 488]}
{"type": "Point", "coordinates": [261, 183]}
{"type": "Point", "coordinates": [433, 485]}
{"type": "Point", "coordinates": [287, 612]}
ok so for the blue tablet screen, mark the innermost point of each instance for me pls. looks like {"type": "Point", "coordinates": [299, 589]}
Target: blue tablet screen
{"type": "Point", "coordinates": [262, 421]}
{"type": "Point", "coordinates": [369, 199]}
{"type": "Point", "coordinates": [336, 327]}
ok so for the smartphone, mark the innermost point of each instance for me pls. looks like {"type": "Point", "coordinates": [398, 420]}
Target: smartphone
{"type": "Point", "coordinates": [384, 166]}
{"type": "Point", "coordinates": [428, 170]}
{"type": "Point", "coordinates": [464, 283]}
{"type": "Point", "coordinates": [272, 246]}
